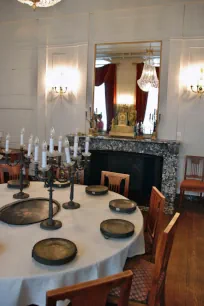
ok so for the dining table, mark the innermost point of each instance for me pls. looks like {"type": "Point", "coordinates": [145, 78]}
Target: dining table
{"type": "Point", "coordinates": [24, 281]}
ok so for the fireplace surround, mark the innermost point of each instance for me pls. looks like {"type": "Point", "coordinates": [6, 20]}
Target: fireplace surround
{"type": "Point", "coordinates": [167, 149]}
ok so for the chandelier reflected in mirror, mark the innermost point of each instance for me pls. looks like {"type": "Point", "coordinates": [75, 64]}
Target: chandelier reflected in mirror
{"type": "Point", "coordinates": [149, 77]}
{"type": "Point", "coordinates": [39, 3]}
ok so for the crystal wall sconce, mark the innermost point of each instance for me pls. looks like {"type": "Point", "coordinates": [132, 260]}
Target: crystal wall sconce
{"type": "Point", "coordinates": [199, 88]}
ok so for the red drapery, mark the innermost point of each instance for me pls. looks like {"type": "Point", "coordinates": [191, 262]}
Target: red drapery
{"type": "Point", "coordinates": [142, 96]}
{"type": "Point", "coordinates": [107, 75]}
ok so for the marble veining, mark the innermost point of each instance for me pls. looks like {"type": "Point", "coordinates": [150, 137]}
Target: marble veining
{"type": "Point", "coordinates": [168, 149]}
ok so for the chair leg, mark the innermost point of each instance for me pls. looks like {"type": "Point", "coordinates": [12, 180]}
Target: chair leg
{"type": "Point", "coordinates": [181, 197]}
{"type": "Point", "coordinates": [162, 300]}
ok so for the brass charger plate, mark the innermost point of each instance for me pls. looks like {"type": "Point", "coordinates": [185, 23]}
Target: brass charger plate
{"type": "Point", "coordinates": [27, 211]}
{"type": "Point", "coordinates": [117, 228]}
{"type": "Point", "coordinates": [54, 251]}
{"type": "Point", "coordinates": [58, 184]}
{"type": "Point", "coordinates": [96, 190]}
{"type": "Point", "coordinates": [15, 184]}
{"type": "Point", "coordinates": [123, 205]}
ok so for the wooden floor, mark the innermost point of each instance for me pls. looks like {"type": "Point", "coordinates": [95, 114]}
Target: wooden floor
{"type": "Point", "coordinates": [185, 276]}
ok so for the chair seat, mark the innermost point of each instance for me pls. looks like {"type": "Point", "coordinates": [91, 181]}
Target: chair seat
{"type": "Point", "coordinates": [192, 184]}
{"type": "Point", "coordinates": [141, 282]}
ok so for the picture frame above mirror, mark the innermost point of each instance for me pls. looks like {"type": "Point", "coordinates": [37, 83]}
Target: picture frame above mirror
{"type": "Point", "coordinates": [126, 85]}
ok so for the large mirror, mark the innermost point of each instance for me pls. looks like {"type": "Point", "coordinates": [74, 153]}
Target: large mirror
{"type": "Point", "coordinates": [126, 91]}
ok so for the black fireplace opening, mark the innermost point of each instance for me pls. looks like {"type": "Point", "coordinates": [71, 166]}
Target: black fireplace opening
{"type": "Point", "coordinates": [145, 171]}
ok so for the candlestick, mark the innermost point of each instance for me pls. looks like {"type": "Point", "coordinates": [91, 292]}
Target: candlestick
{"type": "Point", "coordinates": [60, 144]}
{"type": "Point", "coordinates": [36, 152]}
{"type": "Point", "coordinates": [7, 143]}
{"type": "Point", "coordinates": [22, 137]}
{"type": "Point", "coordinates": [87, 145]}
{"type": "Point", "coordinates": [30, 142]}
{"type": "Point", "coordinates": [44, 154]}
{"type": "Point", "coordinates": [52, 134]}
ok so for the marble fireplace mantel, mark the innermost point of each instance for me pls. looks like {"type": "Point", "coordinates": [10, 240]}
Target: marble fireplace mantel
{"type": "Point", "coordinates": [168, 149]}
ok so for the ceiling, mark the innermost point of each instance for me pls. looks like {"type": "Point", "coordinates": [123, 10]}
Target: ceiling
{"type": "Point", "coordinates": [127, 50]}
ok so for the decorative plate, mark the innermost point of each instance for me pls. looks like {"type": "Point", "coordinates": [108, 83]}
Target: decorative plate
{"type": "Point", "coordinates": [123, 205]}
{"type": "Point", "coordinates": [117, 228]}
{"type": "Point", "coordinates": [27, 211]}
{"type": "Point", "coordinates": [54, 251]}
{"type": "Point", "coordinates": [96, 190]}
{"type": "Point", "coordinates": [15, 184]}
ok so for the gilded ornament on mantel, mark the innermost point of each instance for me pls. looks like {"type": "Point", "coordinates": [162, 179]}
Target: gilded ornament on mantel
{"type": "Point", "coordinates": [124, 123]}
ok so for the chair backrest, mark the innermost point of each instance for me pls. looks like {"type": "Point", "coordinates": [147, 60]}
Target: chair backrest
{"type": "Point", "coordinates": [13, 172]}
{"type": "Point", "coordinates": [155, 216]}
{"type": "Point", "coordinates": [94, 292]}
{"type": "Point", "coordinates": [161, 263]}
{"type": "Point", "coordinates": [79, 177]}
{"type": "Point", "coordinates": [194, 167]}
{"type": "Point", "coordinates": [114, 181]}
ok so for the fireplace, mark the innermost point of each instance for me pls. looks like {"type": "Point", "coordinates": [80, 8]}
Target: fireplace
{"type": "Point", "coordinates": [145, 171]}
{"type": "Point", "coordinates": [165, 154]}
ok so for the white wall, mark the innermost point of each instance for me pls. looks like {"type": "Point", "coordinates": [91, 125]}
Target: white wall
{"type": "Point", "coordinates": [125, 81]}
{"type": "Point", "coordinates": [28, 39]}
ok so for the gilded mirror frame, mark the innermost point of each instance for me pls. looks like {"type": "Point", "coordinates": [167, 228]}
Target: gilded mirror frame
{"type": "Point", "coordinates": [146, 136]}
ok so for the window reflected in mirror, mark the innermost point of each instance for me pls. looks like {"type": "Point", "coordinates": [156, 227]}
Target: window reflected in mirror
{"type": "Point", "coordinates": [126, 91]}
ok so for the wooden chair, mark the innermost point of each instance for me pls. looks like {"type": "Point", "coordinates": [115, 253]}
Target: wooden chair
{"type": "Point", "coordinates": [114, 181]}
{"type": "Point", "coordinates": [94, 292]}
{"type": "Point", "coordinates": [148, 283]}
{"type": "Point", "coordinates": [13, 172]}
{"type": "Point", "coordinates": [193, 176]}
{"type": "Point", "coordinates": [154, 220]}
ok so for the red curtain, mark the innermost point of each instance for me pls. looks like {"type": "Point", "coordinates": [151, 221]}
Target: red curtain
{"type": "Point", "coordinates": [141, 96]}
{"type": "Point", "coordinates": [107, 75]}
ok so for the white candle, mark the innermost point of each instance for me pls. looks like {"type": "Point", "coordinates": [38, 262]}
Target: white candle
{"type": "Point", "coordinates": [60, 144]}
{"type": "Point", "coordinates": [87, 145]}
{"type": "Point", "coordinates": [44, 155]}
{"type": "Point", "coordinates": [22, 137]}
{"type": "Point", "coordinates": [52, 133]}
{"type": "Point", "coordinates": [36, 152]}
{"type": "Point", "coordinates": [51, 145]}
{"type": "Point", "coordinates": [30, 145]}
{"type": "Point", "coordinates": [29, 149]}
{"type": "Point", "coordinates": [76, 139]}
{"type": "Point", "coordinates": [7, 143]}
{"type": "Point", "coordinates": [67, 151]}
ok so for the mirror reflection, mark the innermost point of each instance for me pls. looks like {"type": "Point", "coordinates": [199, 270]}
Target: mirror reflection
{"type": "Point", "coordinates": [126, 88]}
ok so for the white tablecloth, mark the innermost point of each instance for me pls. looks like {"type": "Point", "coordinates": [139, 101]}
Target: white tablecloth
{"type": "Point", "coordinates": [24, 281]}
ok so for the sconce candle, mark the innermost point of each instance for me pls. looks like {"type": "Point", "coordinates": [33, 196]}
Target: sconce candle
{"type": "Point", "coordinates": [60, 144]}
{"type": "Point", "coordinates": [7, 143]}
{"type": "Point", "coordinates": [44, 154]}
{"type": "Point", "coordinates": [30, 142]}
{"type": "Point", "coordinates": [22, 137]}
{"type": "Point", "coordinates": [87, 145]}
{"type": "Point", "coordinates": [67, 152]}
{"type": "Point", "coordinates": [76, 140]}
{"type": "Point", "coordinates": [52, 133]}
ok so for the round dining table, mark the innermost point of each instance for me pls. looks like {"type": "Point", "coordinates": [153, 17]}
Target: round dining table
{"type": "Point", "coordinates": [24, 281]}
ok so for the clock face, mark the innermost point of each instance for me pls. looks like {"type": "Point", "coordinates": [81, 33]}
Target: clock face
{"type": "Point", "coordinates": [122, 119]}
